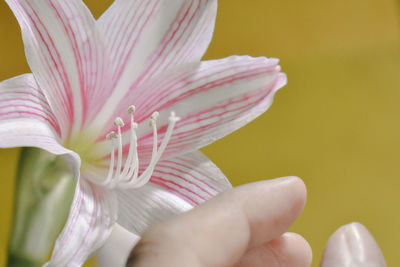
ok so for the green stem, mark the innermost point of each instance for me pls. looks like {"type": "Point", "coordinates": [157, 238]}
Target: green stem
{"type": "Point", "coordinates": [19, 261]}
{"type": "Point", "coordinates": [44, 192]}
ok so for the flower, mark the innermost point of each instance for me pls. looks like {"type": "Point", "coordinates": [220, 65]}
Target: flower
{"type": "Point", "coordinates": [140, 60]}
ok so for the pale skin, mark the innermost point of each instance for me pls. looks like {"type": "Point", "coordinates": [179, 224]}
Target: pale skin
{"type": "Point", "coordinates": [247, 226]}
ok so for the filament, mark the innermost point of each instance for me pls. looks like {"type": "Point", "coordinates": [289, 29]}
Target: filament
{"type": "Point", "coordinates": [127, 176]}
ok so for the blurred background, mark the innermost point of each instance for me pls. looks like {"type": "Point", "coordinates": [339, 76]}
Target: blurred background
{"type": "Point", "coordinates": [335, 125]}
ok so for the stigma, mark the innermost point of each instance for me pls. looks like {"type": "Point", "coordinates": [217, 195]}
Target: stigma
{"type": "Point", "coordinates": [127, 175]}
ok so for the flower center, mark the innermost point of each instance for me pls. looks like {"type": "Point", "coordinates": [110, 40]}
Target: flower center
{"type": "Point", "coordinates": [127, 176]}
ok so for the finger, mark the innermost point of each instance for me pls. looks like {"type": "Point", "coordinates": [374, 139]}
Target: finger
{"type": "Point", "coordinates": [220, 231]}
{"type": "Point", "coordinates": [352, 245]}
{"type": "Point", "coordinates": [288, 250]}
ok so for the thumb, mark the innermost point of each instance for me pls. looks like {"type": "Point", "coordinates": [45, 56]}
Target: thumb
{"type": "Point", "coordinates": [352, 246]}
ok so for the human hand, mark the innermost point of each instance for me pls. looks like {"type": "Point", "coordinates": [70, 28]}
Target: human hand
{"type": "Point", "coordinates": [246, 227]}
{"type": "Point", "coordinates": [241, 227]}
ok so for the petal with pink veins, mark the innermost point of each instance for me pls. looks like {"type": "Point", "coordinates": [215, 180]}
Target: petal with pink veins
{"type": "Point", "coordinates": [177, 185]}
{"type": "Point", "coordinates": [26, 119]}
{"type": "Point", "coordinates": [153, 36]}
{"type": "Point", "coordinates": [67, 57]}
{"type": "Point", "coordinates": [217, 98]}
{"type": "Point", "coordinates": [212, 98]}
{"type": "Point", "coordinates": [91, 219]}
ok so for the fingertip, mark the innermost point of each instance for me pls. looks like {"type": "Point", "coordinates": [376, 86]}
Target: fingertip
{"type": "Point", "coordinates": [301, 253]}
{"type": "Point", "coordinates": [294, 182]}
{"type": "Point", "coordinates": [292, 249]}
{"type": "Point", "coordinates": [297, 191]}
{"type": "Point", "coordinates": [300, 190]}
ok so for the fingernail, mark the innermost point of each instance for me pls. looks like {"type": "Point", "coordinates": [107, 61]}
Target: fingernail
{"type": "Point", "coordinates": [352, 246]}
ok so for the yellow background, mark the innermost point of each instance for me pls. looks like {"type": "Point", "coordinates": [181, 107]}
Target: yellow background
{"type": "Point", "coordinates": [336, 123]}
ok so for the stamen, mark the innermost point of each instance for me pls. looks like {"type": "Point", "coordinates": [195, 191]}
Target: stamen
{"type": "Point", "coordinates": [131, 109]}
{"type": "Point", "coordinates": [119, 122]}
{"type": "Point", "coordinates": [147, 173]}
{"type": "Point", "coordinates": [111, 136]}
{"type": "Point", "coordinates": [153, 118]}
{"type": "Point", "coordinates": [127, 177]}
{"type": "Point", "coordinates": [155, 115]}
{"type": "Point", "coordinates": [130, 163]}
{"type": "Point", "coordinates": [153, 121]}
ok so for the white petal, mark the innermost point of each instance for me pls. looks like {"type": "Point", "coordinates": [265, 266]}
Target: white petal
{"type": "Point", "coordinates": [66, 55]}
{"type": "Point", "coordinates": [352, 245]}
{"type": "Point", "coordinates": [148, 37]}
{"type": "Point", "coordinates": [117, 248]}
{"type": "Point", "coordinates": [212, 99]}
{"type": "Point", "coordinates": [91, 219]}
{"type": "Point", "coordinates": [26, 119]}
{"type": "Point", "coordinates": [177, 185]}
{"type": "Point", "coordinates": [217, 98]}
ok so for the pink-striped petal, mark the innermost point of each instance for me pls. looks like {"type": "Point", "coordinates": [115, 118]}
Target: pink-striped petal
{"type": "Point", "coordinates": [67, 57]}
{"type": "Point", "coordinates": [177, 185]}
{"type": "Point", "coordinates": [26, 119]}
{"type": "Point", "coordinates": [212, 99]}
{"type": "Point", "coordinates": [146, 38]}
{"type": "Point", "coordinates": [92, 216]}
{"type": "Point", "coordinates": [215, 99]}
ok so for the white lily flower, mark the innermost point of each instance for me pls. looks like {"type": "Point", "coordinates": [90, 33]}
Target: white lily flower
{"type": "Point", "coordinates": [87, 74]}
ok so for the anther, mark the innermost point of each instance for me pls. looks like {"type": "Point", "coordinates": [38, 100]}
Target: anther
{"type": "Point", "coordinates": [153, 118]}
{"type": "Point", "coordinates": [112, 135]}
{"type": "Point", "coordinates": [155, 115]}
{"type": "Point", "coordinates": [131, 109]}
{"type": "Point", "coordinates": [119, 122]}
